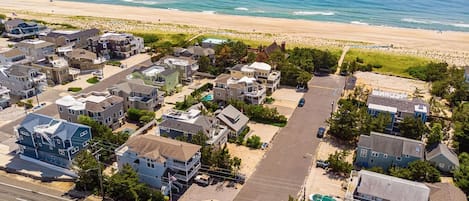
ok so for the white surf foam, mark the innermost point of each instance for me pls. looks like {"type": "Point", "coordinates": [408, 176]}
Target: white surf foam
{"type": "Point", "coordinates": [141, 2]}
{"type": "Point", "coordinates": [327, 13]}
{"type": "Point", "coordinates": [242, 8]}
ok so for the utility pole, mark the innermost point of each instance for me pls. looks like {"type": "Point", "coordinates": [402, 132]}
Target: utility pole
{"type": "Point", "coordinates": [97, 155]}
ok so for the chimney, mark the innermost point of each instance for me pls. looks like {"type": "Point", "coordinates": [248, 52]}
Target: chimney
{"type": "Point", "coordinates": [282, 47]}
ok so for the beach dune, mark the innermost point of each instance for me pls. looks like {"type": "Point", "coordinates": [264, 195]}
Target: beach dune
{"type": "Point", "coordinates": [423, 40]}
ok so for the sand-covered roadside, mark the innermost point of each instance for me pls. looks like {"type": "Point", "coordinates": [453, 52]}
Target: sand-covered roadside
{"type": "Point", "coordinates": [445, 45]}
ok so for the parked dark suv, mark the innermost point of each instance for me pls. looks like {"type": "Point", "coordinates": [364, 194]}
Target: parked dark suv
{"type": "Point", "coordinates": [302, 102]}
{"type": "Point", "coordinates": [321, 132]}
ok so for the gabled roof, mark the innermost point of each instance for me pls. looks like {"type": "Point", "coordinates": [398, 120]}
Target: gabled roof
{"type": "Point", "coordinates": [391, 188]}
{"type": "Point", "coordinates": [233, 118]}
{"type": "Point", "coordinates": [73, 34]}
{"type": "Point", "coordinates": [103, 105]}
{"type": "Point", "coordinates": [182, 126]}
{"type": "Point", "coordinates": [392, 145]}
{"type": "Point", "coordinates": [136, 86]}
{"type": "Point", "coordinates": [14, 22]}
{"type": "Point", "coordinates": [445, 192]}
{"type": "Point", "coordinates": [223, 78]}
{"type": "Point", "coordinates": [20, 70]}
{"type": "Point", "coordinates": [161, 148]}
{"type": "Point", "coordinates": [34, 44]}
{"type": "Point", "coordinates": [82, 54]}
{"type": "Point", "coordinates": [442, 149]}
{"type": "Point", "coordinates": [61, 128]}
{"type": "Point", "coordinates": [401, 104]}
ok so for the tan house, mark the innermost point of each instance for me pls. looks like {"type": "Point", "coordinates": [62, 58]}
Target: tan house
{"type": "Point", "coordinates": [101, 106]}
{"type": "Point", "coordinates": [56, 70]}
{"type": "Point", "coordinates": [73, 38]}
{"type": "Point", "coordinates": [36, 49]}
{"type": "Point", "coordinates": [84, 60]}
{"type": "Point", "coordinates": [245, 89]}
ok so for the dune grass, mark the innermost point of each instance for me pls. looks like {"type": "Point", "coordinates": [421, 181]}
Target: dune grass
{"type": "Point", "coordinates": [392, 64]}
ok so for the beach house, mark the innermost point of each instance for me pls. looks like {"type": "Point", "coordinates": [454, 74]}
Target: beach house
{"type": "Point", "coordinates": [116, 45]}
{"type": "Point", "coordinates": [36, 49]}
{"type": "Point", "coordinates": [18, 28]}
{"type": "Point", "coordinates": [51, 142]}
{"type": "Point", "coordinates": [84, 60]}
{"type": "Point", "coordinates": [154, 158]}
{"type": "Point", "coordinates": [234, 119]}
{"type": "Point", "coordinates": [104, 108]}
{"type": "Point", "coordinates": [212, 42]}
{"type": "Point", "coordinates": [56, 70]}
{"type": "Point", "coordinates": [23, 81]}
{"type": "Point", "coordinates": [185, 124]}
{"type": "Point", "coordinates": [385, 151]}
{"type": "Point", "coordinates": [72, 38]}
{"type": "Point", "coordinates": [246, 89]}
{"type": "Point", "coordinates": [186, 66]}
{"type": "Point", "coordinates": [398, 106]}
{"type": "Point", "coordinates": [195, 52]}
{"type": "Point", "coordinates": [264, 53]}
{"type": "Point", "coordinates": [136, 94]}
{"type": "Point", "coordinates": [371, 186]}
{"type": "Point", "coordinates": [165, 78]}
{"type": "Point", "coordinates": [443, 158]}
{"type": "Point", "coordinates": [9, 57]}
{"type": "Point", "coordinates": [445, 192]}
{"type": "Point", "coordinates": [261, 71]}
{"type": "Point", "coordinates": [5, 100]}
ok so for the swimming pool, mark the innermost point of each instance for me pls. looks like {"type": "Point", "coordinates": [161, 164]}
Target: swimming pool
{"type": "Point", "coordinates": [208, 97]}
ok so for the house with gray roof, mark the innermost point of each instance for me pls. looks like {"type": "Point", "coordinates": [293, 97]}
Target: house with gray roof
{"type": "Point", "coordinates": [385, 151]}
{"type": "Point", "coordinates": [84, 60]}
{"type": "Point", "coordinates": [443, 158]}
{"type": "Point", "coordinates": [234, 119]}
{"type": "Point", "coordinates": [5, 100]}
{"type": "Point", "coordinates": [154, 157]}
{"type": "Point", "coordinates": [137, 94]}
{"type": "Point", "coordinates": [13, 56]}
{"type": "Point", "coordinates": [165, 78]}
{"type": "Point", "coordinates": [51, 142]}
{"type": "Point", "coordinates": [371, 186]}
{"type": "Point", "coordinates": [72, 38]}
{"type": "Point", "coordinates": [195, 52]}
{"type": "Point", "coordinates": [186, 124]}
{"type": "Point", "coordinates": [17, 28]}
{"type": "Point", "coordinates": [36, 49]}
{"type": "Point", "coordinates": [398, 106]}
{"type": "Point", "coordinates": [445, 192]}
{"type": "Point", "coordinates": [23, 81]}
{"type": "Point", "coordinates": [103, 107]}
{"type": "Point", "coordinates": [185, 65]}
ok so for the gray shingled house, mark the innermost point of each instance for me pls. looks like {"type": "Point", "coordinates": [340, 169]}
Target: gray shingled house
{"type": "Point", "coordinates": [234, 119]}
{"type": "Point", "coordinates": [443, 158]}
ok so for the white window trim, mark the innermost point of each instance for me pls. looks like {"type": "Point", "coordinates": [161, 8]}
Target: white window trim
{"type": "Point", "coordinates": [75, 150]}
{"type": "Point", "coordinates": [363, 153]}
{"type": "Point", "coordinates": [62, 152]}
{"type": "Point", "coordinates": [399, 158]}
{"type": "Point", "coordinates": [385, 155]}
{"type": "Point", "coordinates": [374, 154]}
{"type": "Point", "coordinates": [85, 143]}
{"type": "Point", "coordinates": [83, 133]}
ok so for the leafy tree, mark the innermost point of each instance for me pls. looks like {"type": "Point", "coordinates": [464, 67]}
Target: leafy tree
{"type": "Point", "coordinates": [259, 113]}
{"type": "Point", "coordinates": [251, 57]}
{"type": "Point", "coordinates": [421, 171]}
{"type": "Point", "coordinates": [204, 64]}
{"type": "Point", "coordinates": [199, 139]}
{"type": "Point", "coordinates": [87, 169]}
{"type": "Point", "coordinates": [436, 135]}
{"type": "Point", "coordinates": [461, 174]}
{"type": "Point", "coordinates": [303, 78]}
{"type": "Point", "coordinates": [254, 142]}
{"type": "Point", "coordinates": [380, 122]}
{"type": "Point", "coordinates": [376, 169]}
{"type": "Point", "coordinates": [236, 163]}
{"type": "Point", "coordinates": [125, 186]}
{"type": "Point", "coordinates": [430, 72]}
{"type": "Point", "coordinates": [276, 58]}
{"type": "Point", "coordinates": [291, 198]}
{"type": "Point", "coordinates": [338, 164]}
{"type": "Point", "coordinates": [412, 128]}
{"type": "Point", "coordinates": [440, 88]}
{"type": "Point", "coordinates": [344, 122]}
{"type": "Point", "coordinates": [138, 115]}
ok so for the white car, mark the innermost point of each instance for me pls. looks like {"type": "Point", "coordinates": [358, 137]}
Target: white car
{"type": "Point", "coordinates": [202, 179]}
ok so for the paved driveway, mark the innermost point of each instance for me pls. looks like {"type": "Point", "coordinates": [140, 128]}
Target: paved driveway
{"type": "Point", "coordinates": [284, 169]}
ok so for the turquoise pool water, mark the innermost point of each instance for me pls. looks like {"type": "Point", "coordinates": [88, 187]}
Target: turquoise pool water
{"type": "Point", "coordinates": [208, 97]}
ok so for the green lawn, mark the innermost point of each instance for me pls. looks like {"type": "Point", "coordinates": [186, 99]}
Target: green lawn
{"type": "Point", "coordinates": [393, 64]}
{"type": "Point", "coordinates": [74, 89]}
{"type": "Point", "coordinates": [93, 80]}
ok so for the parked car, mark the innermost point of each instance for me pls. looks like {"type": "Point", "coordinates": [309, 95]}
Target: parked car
{"type": "Point", "coordinates": [264, 145]}
{"type": "Point", "coordinates": [322, 164]}
{"type": "Point", "coordinates": [240, 178]}
{"type": "Point", "coordinates": [302, 102]}
{"type": "Point", "coordinates": [202, 179]}
{"type": "Point", "coordinates": [321, 132]}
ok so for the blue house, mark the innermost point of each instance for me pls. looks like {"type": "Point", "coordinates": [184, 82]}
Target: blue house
{"type": "Point", "coordinates": [385, 151]}
{"type": "Point", "coordinates": [398, 105]}
{"type": "Point", "coordinates": [53, 141]}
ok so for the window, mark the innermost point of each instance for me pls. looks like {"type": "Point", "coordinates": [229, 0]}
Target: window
{"type": "Point", "coordinates": [75, 150]}
{"type": "Point", "coordinates": [85, 143]}
{"type": "Point", "coordinates": [24, 133]}
{"type": "Point", "coordinates": [120, 113]}
{"type": "Point", "coordinates": [407, 156]}
{"type": "Point", "coordinates": [363, 153]}
{"type": "Point", "coordinates": [59, 142]}
{"type": "Point", "coordinates": [398, 158]}
{"type": "Point", "coordinates": [385, 155]}
{"type": "Point", "coordinates": [62, 152]}
{"type": "Point", "coordinates": [374, 154]}
{"type": "Point", "coordinates": [83, 133]}
{"type": "Point", "coordinates": [441, 165]}
{"type": "Point", "coordinates": [60, 109]}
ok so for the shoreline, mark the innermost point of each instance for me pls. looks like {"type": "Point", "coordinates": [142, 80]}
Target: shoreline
{"type": "Point", "coordinates": [418, 42]}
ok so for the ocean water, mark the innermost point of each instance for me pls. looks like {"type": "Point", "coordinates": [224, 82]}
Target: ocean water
{"type": "Point", "coordinates": [420, 14]}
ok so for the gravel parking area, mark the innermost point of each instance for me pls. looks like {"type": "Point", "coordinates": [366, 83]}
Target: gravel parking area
{"type": "Point", "coordinates": [249, 157]}
{"type": "Point", "coordinates": [286, 100]}
{"type": "Point", "coordinates": [216, 192]}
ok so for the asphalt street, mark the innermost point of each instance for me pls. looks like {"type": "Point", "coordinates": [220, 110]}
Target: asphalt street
{"type": "Point", "coordinates": [11, 189]}
{"type": "Point", "coordinates": [286, 165]}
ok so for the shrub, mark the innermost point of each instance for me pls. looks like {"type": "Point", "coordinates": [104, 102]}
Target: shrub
{"type": "Point", "coordinates": [141, 116]}
{"type": "Point", "coordinates": [240, 139]}
{"type": "Point", "coordinates": [113, 63]}
{"type": "Point", "coordinates": [92, 80]}
{"type": "Point", "coordinates": [269, 100]}
{"type": "Point", "coordinates": [254, 142]}
{"type": "Point", "coordinates": [74, 89]}
{"type": "Point", "coordinates": [260, 113]}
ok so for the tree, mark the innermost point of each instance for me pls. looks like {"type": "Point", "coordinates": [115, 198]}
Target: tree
{"type": "Point", "coordinates": [338, 164]}
{"type": "Point", "coordinates": [436, 135]}
{"type": "Point", "coordinates": [376, 169]}
{"type": "Point", "coordinates": [421, 171]}
{"type": "Point", "coordinates": [380, 122]}
{"type": "Point", "coordinates": [87, 169]}
{"type": "Point", "coordinates": [254, 142]}
{"type": "Point", "coordinates": [291, 198]}
{"type": "Point", "coordinates": [251, 57]}
{"type": "Point", "coordinates": [236, 163]}
{"type": "Point", "coordinates": [303, 78]}
{"type": "Point", "coordinates": [412, 127]}
{"type": "Point", "coordinates": [199, 139]}
{"type": "Point", "coordinates": [344, 122]}
{"type": "Point", "coordinates": [461, 174]}
{"type": "Point", "coordinates": [204, 64]}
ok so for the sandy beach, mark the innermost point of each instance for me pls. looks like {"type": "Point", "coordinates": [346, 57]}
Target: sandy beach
{"type": "Point", "coordinates": [446, 45]}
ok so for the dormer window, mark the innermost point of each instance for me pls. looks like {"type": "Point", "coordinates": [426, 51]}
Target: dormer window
{"type": "Point", "coordinates": [83, 133]}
